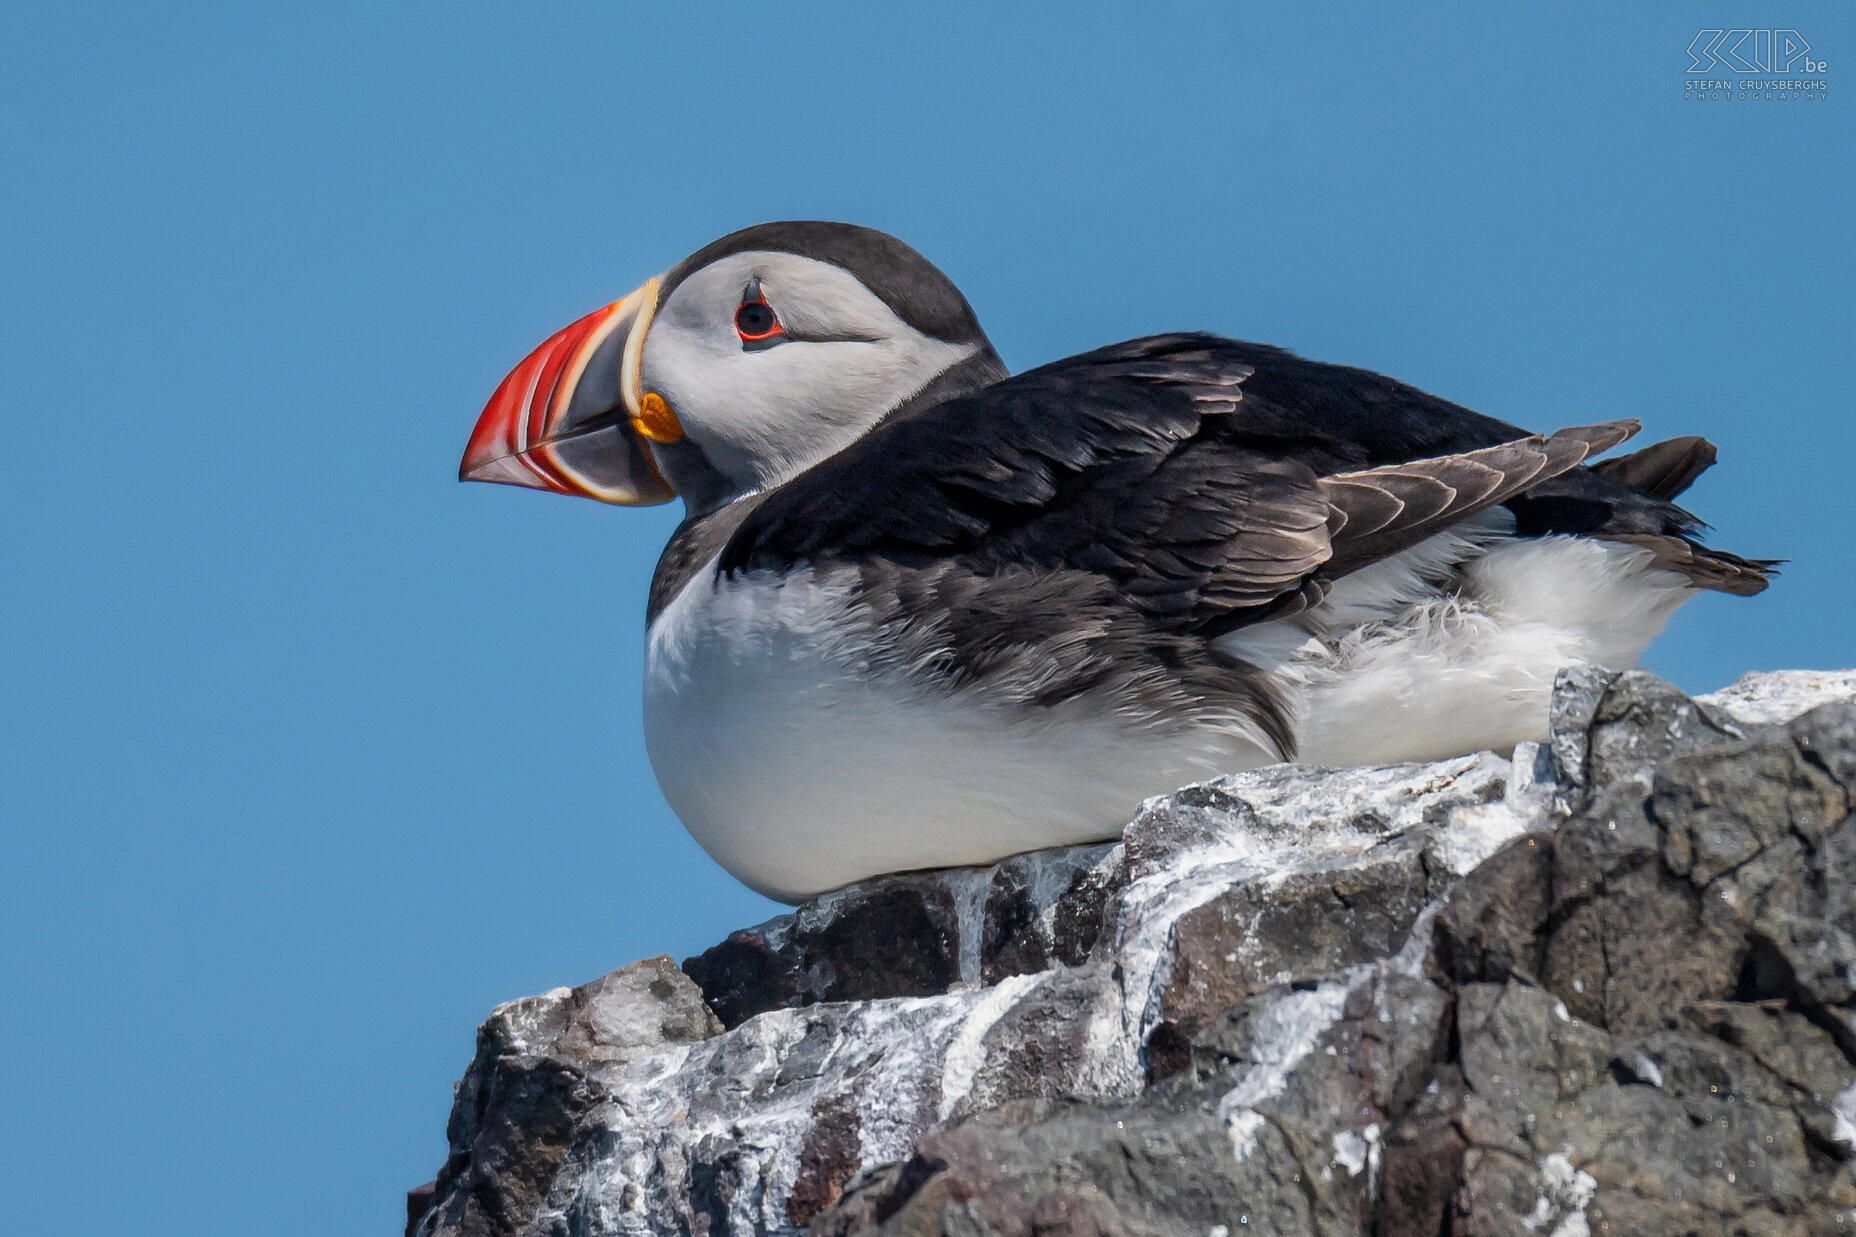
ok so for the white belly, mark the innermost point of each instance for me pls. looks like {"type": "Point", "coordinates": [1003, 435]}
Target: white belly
{"type": "Point", "coordinates": [800, 768]}
{"type": "Point", "coordinates": [799, 771]}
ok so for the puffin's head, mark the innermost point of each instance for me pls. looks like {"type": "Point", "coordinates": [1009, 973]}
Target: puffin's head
{"type": "Point", "coordinates": [749, 361]}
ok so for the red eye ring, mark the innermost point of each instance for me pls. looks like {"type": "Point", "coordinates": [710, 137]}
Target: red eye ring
{"type": "Point", "coordinates": [756, 322]}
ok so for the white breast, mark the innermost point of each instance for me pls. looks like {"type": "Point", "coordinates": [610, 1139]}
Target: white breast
{"type": "Point", "coordinates": [800, 768]}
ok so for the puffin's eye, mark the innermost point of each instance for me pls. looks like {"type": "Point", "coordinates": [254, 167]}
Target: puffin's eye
{"type": "Point", "coordinates": [755, 322]}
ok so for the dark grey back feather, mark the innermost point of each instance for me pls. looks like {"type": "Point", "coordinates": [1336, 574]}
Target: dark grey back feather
{"type": "Point", "coordinates": [1381, 511]}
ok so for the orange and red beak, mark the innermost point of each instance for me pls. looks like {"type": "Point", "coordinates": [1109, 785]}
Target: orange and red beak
{"type": "Point", "coordinates": [573, 417]}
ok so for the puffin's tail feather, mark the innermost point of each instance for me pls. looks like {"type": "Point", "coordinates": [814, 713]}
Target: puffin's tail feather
{"type": "Point", "coordinates": [1663, 469]}
{"type": "Point", "coordinates": [1705, 567]}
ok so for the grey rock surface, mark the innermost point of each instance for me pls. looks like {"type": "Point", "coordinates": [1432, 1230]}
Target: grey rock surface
{"type": "Point", "coordinates": [1607, 984]}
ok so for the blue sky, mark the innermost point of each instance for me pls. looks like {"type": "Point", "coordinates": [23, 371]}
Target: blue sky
{"type": "Point", "coordinates": [310, 755]}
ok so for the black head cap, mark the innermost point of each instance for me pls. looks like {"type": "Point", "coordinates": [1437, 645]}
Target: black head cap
{"type": "Point", "coordinates": [912, 286]}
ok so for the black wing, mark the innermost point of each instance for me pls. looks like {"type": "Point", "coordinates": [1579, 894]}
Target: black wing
{"type": "Point", "coordinates": [1212, 482]}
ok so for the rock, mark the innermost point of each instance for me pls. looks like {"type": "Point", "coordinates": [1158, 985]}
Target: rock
{"type": "Point", "coordinates": [1608, 984]}
{"type": "Point", "coordinates": [541, 1064]}
{"type": "Point", "coordinates": [931, 929]}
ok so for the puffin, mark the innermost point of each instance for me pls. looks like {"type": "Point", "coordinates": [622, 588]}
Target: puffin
{"type": "Point", "coordinates": [923, 612]}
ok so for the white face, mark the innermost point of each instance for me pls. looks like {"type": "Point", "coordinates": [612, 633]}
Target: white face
{"type": "Point", "coordinates": [764, 411]}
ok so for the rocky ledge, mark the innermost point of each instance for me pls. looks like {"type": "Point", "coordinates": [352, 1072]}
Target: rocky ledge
{"type": "Point", "coordinates": [1604, 985]}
